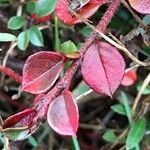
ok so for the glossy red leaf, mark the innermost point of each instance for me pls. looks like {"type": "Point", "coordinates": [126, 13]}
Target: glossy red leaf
{"type": "Point", "coordinates": [64, 14]}
{"type": "Point", "coordinates": [63, 115]}
{"type": "Point", "coordinates": [142, 6]}
{"type": "Point", "coordinates": [129, 78]}
{"type": "Point", "coordinates": [20, 119]}
{"type": "Point", "coordinates": [103, 68]}
{"type": "Point", "coordinates": [41, 70]}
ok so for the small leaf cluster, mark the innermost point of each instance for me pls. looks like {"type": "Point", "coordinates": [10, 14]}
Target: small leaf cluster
{"type": "Point", "coordinates": [33, 34]}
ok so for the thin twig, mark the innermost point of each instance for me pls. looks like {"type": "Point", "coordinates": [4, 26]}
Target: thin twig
{"type": "Point", "coordinates": [137, 99]}
{"type": "Point", "coordinates": [122, 148]}
{"type": "Point", "coordinates": [133, 13]}
{"type": "Point", "coordinates": [13, 44]}
{"type": "Point", "coordinates": [121, 136]}
{"type": "Point", "coordinates": [146, 100]}
{"type": "Point", "coordinates": [132, 68]}
{"type": "Point", "coordinates": [124, 133]}
{"type": "Point", "coordinates": [43, 27]}
{"type": "Point", "coordinates": [114, 43]}
{"type": "Point", "coordinates": [90, 126]}
{"type": "Point", "coordinates": [20, 8]}
{"type": "Point", "coordinates": [133, 33]}
{"type": "Point", "coordinates": [114, 38]}
{"type": "Point", "coordinates": [83, 95]}
{"type": "Point", "coordinates": [6, 142]}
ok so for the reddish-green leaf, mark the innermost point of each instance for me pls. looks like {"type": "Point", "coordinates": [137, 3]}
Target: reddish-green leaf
{"type": "Point", "coordinates": [19, 133]}
{"type": "Point", "coordinates": [20, 119]}
{"type": "Point", "coordinates": [103, 68]}
{"type": "Point", "coordinates": [62, 11]}
{"type": "Point", "coordinates": [41, 71]}
{"type": "Point", "coordinates": [16, 134]}
{"type": "Point", "coordinates": [72, 56]}
{"type": "Point", "coordinates": [21, 125]}
{"type": "Point", "coordinates": [63, 114]}
{"type": "Point", "coordinates": [42, 19]}
{"type": "Point", "coordinates": [142, 6]}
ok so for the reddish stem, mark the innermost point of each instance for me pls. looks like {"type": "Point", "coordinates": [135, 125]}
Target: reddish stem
{"type": "Point", "coordinates": [12, 74]}
{"type": "Point", "coordinates": [15, 103]}
{"type": "Point", "coordinates": [65, 81]}
{"type": "Point", "coordinates": [102, 25]}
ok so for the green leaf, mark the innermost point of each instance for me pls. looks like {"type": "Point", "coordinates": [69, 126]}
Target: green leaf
{"type": "Point", "coordinates": [68, 47]}
{"type": "Point", "coordinates": [31, 7]}
{"type": "Point", "coordinates": [86, 31]}
{"type": "Point", "coordinates": [146, 19]}
{"type": "Point", "coordinates": [136, 133]}
{"type": "Point", "coordinates": [110, 136]}
{"type": "Point", "coordinates": [146, 50]}
{"type": "Point", "coordinates": [23, 40]}
{"type": "Point", "coordinates": [119, 108]}
{"type": "Point", "coordinates": [32, 141]}
{"type": "Point", "coordinates": [15, 22]}
{"type": "Point", "coordinates": [80, 89]}
{"type": "Point", "coordinates": [1, 137]}
{"type": "Point", "coordinates": [45, 7]}
{"type": "Point", "coordinates": [125, 102]}
{"type": "Point", "coordinates": [7, 37]}
{"type": "Point", "coordinates": [35, 36]}
{"type": "Point", "coordinates": [146, 90]}
{"type": "Point", "coordinates": [4, 3]}
{"type": "Point", "coordinates": [16, 134]}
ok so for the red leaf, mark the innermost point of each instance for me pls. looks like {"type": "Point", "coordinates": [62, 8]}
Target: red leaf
{"type": "Point", "coordinates": [129, 78]}
{"type": "Point", "coordinates": [62, 11]}
{"type": "Point", "coordinates": [142, 6]}
{"type": "Point", "coordinates": [103, 68]}
{"type": "Point", "coordinates": [20, 119]}
{"type": "Point", "coordinates": [63, 115]}
{"type": "Point", "coordinates": [41, 70]}
{"type": "Point", "coordinates": [41, 19]}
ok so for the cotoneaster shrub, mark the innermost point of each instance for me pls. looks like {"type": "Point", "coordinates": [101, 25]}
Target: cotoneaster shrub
{"type": "Point", "coordinates": [101, 64]}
